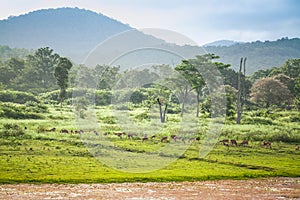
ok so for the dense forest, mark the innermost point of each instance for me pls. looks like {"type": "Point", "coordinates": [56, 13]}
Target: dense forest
{"type": "Point", "coordinates": [46, 76]}
{"type": "Point", "coordinates": [261, 55]}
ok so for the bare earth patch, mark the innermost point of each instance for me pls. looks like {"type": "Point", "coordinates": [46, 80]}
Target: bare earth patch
{"type": "Point", "coordinates": [271, 188]}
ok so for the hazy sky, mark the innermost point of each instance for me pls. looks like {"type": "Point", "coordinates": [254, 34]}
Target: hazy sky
{"type": "Point", "coordinates": [201, 20]}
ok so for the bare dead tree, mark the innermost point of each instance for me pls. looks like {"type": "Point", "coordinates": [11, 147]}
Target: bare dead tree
{"type": "Point", "coordinates": [241, 90]}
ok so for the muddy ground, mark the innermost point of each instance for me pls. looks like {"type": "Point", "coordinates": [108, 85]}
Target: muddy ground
{"type": "Point", "coordinates": [261, 189]}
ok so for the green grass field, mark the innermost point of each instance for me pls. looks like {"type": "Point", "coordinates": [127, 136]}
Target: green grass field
{"type": "Point", "coordinates": [52, 157]}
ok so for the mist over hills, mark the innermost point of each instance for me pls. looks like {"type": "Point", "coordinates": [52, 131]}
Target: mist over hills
{"type": "Point", "coordinates": [260, 55]}
{"type": "Point", "coordinates": [226, 43]}
{"type": "Point", "coordinates": [74, 32]}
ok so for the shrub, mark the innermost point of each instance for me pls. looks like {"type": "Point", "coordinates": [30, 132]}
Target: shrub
{"type": "Point", "coordinates": [257, 120]}
{"type": "Point", "coordinates": [101, 97]}
{"type": "Point", "coordinates": [137, 97]}
{"type": "Point", "coordinates": [17, 97]}
{"type": "Point", "coordinates": [11, 130]}
{"type": "Point", "coordinates": [108, 120]}
{"type": "Point", "coordinates": [142, 116]}
{"type": "Point", "coordinates": [15, 111]}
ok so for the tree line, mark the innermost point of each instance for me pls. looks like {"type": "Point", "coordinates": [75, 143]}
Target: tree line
{"type": "Point", "coordinates": [45, 71]}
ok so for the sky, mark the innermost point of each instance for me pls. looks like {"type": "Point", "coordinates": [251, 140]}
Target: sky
{"type": "Point", "coordinates": [203, 21]}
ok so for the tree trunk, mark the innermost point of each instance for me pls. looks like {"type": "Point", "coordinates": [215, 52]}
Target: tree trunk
{"type": "Point", "coordinates": [161, 113]}
{"type": "Point", "coordinates": [239, 106]}
{"type": "Point", "coordinates": [198, 103]}
{"type": "Point", "coordinates": [244, 88]}
{"type": "Point", "coordinates": [183, 101]}
{"type": "Point", "coordinates": [164, 115]}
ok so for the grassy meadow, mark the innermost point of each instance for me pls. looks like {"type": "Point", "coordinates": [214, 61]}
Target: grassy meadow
{"type": "Point", "coordinates": [35, 155]}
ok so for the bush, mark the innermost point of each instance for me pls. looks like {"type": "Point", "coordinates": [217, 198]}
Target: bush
{"type": "Point", "coordinates": [137, 97]}
{"type": "Point", "coordinates": [16, 111]}
{"type": "Point", "coordinates": [11, 130]}
{"type": "Point", "coordinates": [108, 120]}
{"type": "Point", "coordinates": [101, 97]}
{"type": "Point", "coordinates": [257, 120]}
{"type": "Point", "coordinates": [142, 116]}
{"type": "Point", "coordinates": [17, 97]}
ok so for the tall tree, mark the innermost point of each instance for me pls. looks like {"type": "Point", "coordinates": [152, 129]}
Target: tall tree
{"type": "Point", "coordinates": [297, 92]}
{"type": "Point", "coordinates": [291, 68]}
{"type": "Point", "coordinates": [182, 88]}
{"type": "Point", "coordinates": [107, 76]}
{"type": "Point", "coordinates": [269, 91]}
{"type": "Point", "coordinates": [42, 64]}
{"type": "Point", "coordinates": [194, 69]}
{"type": "Point", "coordinates": [62, 76]}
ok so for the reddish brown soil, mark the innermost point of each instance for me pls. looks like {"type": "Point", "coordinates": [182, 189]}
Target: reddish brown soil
{"type": "Point", "coordinates": [261, 189]}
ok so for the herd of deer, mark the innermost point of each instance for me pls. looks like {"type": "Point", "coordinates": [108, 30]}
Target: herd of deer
{"type": "Point", "coordinates": [174, 138]}
{"type": "Point", "coordinates": [227, 142]}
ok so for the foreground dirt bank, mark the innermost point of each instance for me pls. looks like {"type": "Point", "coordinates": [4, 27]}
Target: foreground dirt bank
{"type": "Point", "coordinates": [271, 188]}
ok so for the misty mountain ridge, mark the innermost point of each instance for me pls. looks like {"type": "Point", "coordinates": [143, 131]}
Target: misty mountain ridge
{"type": "Point", "coordinates": [225, 43]}
{"type": "Point", "coordinates": [74, 32]}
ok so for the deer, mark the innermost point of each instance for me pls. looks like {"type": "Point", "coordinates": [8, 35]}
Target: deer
{"type": "Point", "coordinates": [225, 142]}
{"type": "Point", "coordinates": [233, 142]}
{"type": "Point", "coordinates": [174, 137]}
{"type": "Point", "coordinates": [164, 139]}
{"type": "Point", "coordinates": [145, 138]}
{"type": "Point", "coordinates": [267, 144]}
{"type": "Point", "coordinates": [52, 130]}
{"type": "Point", "coordinates": [64, 131]}
{"type": "Point", "coordinates": [119, 134]}
{"type": "Point", "coordinates": [244, 143]}
{"type": "Point", "coordinates": [131, 135]}
{"type": "Point", "coordinates": [96, 133]}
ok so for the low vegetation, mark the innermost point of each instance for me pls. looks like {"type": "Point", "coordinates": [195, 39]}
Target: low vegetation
{"type": "Point", "coordinates": [187, 119]}
{"type": "Point", "coordinates": [33, 152]}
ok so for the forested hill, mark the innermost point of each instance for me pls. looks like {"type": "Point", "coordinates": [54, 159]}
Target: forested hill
{"type": "Point", "coordinates": [72, 32]}
{"type": "Point", "coordinates": [260, 55]}
{"type": "Point", "coordinates": [6, 52]}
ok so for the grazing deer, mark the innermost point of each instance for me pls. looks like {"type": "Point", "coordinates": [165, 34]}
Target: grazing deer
{"type": "Point", "coordinates": [197, 139]}
{"type": "Point", "coordinates": [119, 134]}
{"type": "Point", "coordinates": [297, 148]}
{"type": "Point", "coordinates": [267, 144]}
{"type": "Point", "coordinates": [51, 130]}
{"type": "Point", "coordinates": [153, 136]}
{"type": "Point", "coordinates": [64, 131]}
{"type": "Point", "coordinates": [145, 138]}
{"type": "Point", "coordinates": [245, 143]}
{"type": "Point", "coordinates": [173, 137]}
{"type": "Point", "coordinates": [233, 142]}
{"type": "Point", "coordinates": [164, 139]}
{"type": "Point", "coordinates": [225, 142]}
{"type": "Point", "coordinates": [96, 133]}
{"type": "Point", "coordinates": [131, 135]}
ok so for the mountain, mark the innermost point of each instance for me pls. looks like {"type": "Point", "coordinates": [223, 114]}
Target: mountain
{"type": "Point", "coordinates": [225, 43]}
{"type": "Point", "coordinates": [71, 32]}
{"type": "Point", "coordinates": [260, 55]}
{"type": "Point", "coordinates": [74, 32]}
{"type": "Point", "coordinates": [6, 52]}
